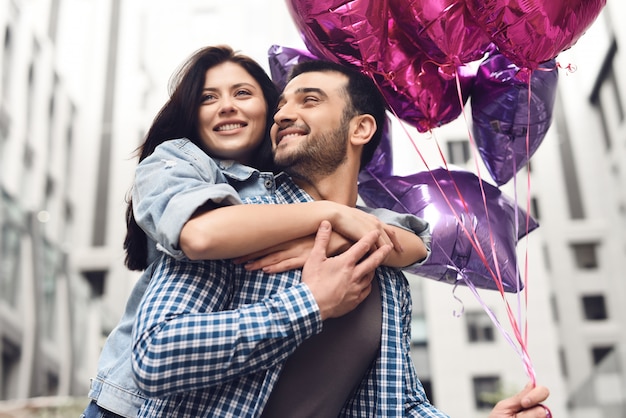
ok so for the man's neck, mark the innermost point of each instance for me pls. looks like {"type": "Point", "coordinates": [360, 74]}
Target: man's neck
{"type": "Point", "coordinates": [339, 187]}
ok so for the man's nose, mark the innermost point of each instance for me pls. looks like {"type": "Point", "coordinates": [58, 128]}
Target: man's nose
{"type": "Point", "coordinates": [283, 115]}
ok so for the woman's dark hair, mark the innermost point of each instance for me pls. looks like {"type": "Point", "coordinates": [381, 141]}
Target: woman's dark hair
{"type": "Point", "coordinates": [178, 118]}
{"type": "Point", "coordinates": [363, 94]}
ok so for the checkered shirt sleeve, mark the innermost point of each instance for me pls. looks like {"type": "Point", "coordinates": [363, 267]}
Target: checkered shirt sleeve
{"type": "Point", "coordinates": [181, 344]}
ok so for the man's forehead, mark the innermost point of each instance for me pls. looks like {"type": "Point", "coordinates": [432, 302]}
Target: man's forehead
{"type": "Point", "coordinates": [327, 82]}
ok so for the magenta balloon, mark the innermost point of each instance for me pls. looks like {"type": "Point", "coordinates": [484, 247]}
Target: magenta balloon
{"type": "Point", "coordinates": [454, 259]}
{"type": "Point", "coordinates": [343, 31]}
{"type": "Point", "coordinates": [447, 23]}
{"type": "Point", "coordinates": [532, 32]}
{"type": "Point", "coordinates": [418, 92]}
{"type": "Point", "coordinates": [508, 127]}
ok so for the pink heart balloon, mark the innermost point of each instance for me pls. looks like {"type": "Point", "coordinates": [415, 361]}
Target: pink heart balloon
{"type": "Point", "coordinates": [530, 32]}
{"type": "Point", "coordinates": [448, 25]}
{"type": "Point", "coordinates": [342, 31]}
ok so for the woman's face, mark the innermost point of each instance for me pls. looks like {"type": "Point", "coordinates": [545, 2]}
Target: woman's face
{"type": "Point", "coordinates": [232, 113]}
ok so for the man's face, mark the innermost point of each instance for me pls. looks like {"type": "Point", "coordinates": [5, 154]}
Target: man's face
{"type": "Point", "coordinates": [310, 131]}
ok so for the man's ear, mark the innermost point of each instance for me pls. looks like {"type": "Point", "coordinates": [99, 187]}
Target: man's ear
{"type": "Point", "coordinates": [362, 128]}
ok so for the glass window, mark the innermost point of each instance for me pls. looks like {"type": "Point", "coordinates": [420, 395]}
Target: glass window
{"type": "Point", "coordinates": [479, 327]}
{"type": "Point", "coordinates": [418, 331]}
{"type": "Point", "coordinates": [9, 372]}
{"type": "Point", "coordinates": [10, 250]}
{"type": "Point", "coordinates": [96, 279]}
{"type": "Point", "coordinates": [458, 152]}
{"type": "Point", "coordinates": [534, 208]}
{"type": "Point", "coordinates": [606, 97]}
{"type": "Point", "coordinates": [7, 62]}
{"type": "Point", "coordinates": [598, 353]}
{"type": "Point", "coordinates": [486, 391]}
{"type": "Point", "coordinates": [594, 307]}
{"type": "Point", "coordinates": [585, 255]}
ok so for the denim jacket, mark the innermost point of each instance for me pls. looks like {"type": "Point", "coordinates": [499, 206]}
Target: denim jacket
{"type": "Point", "coordinates": [170, 185]}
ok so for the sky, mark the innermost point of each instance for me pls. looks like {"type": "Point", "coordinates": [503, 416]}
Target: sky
{"type": "Point", "coordinates": [250, 26]}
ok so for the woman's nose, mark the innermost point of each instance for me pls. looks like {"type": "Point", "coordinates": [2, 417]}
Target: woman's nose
{"type": "Point", "coordinates": [227, 106]}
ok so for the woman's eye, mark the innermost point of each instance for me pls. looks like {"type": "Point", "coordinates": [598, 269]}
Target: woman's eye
{"type": "Point", "coordinates": [207, 98]}
{"type": "Point", "coordinates": [242, 93]}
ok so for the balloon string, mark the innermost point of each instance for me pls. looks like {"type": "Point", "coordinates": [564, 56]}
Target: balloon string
{"type": "Point", "coordinates": [475, 243]}
{"type": "Point", "coordinates": [473, 239]}
{"type": "Point", "coordinates": [498, 277]}
{"type": "Point", "coordinates": [520, 349]}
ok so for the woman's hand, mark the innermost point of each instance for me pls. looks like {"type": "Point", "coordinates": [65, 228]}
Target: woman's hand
{"type": "Point", "coordinates": [290, 255]}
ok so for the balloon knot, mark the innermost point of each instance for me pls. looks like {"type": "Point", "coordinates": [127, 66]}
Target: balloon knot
{"type": "Point", "coordinates": [571, 68]}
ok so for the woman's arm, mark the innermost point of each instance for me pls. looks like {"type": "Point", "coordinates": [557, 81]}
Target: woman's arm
{"type": "Point", "coordinates": [235, 231]}
{"type": "Point", "coordinates": [275, 233]}
{"type": "Point", "coordinates": [292, 254]}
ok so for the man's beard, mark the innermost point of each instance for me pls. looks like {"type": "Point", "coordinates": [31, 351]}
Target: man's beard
{"type": "Point", "coordinates": [318, 156]}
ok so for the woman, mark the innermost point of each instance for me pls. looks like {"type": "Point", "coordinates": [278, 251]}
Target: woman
{"type": "Point", "coordinates": [197, 159]}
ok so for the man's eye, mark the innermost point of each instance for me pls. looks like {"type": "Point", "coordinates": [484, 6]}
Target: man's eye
{"type": "Point", "coordinates": [310, 99]}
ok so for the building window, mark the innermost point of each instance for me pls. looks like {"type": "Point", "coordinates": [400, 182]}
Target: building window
{"type": "Point", "coordinates": [11, 232]}
{"type": "Point", "coordinates": [96, 280]}
{"type": "Point", "coordinates": [534, 208]}
{"type": "Point", "coordinates": [458, 152]}
{"type": "Point", "coordinates": [418, 331]}
{"type": "Point", "coordinates": [7, 63]}
{"type": "Point", "coordinates": [599, 353]}
{"type": "Point", "coordinates": [486, 391]}
{"type": "Point", "coordinates": [563, 362]}
{"type": "Point", "coordinates": [479, 327]}
{"type": "Point", "coordinates": [585, 255]}
{"type": "Point", "coordinates": [546, 257]}
{"type": "Point", "coordinates": [9, 372]}
{"type": "Point", "coordinates": [428, 390]}
{"type": "Point", "coordinates": [554, 308]}
{"type": "Point", "coordinates": [594, 308]}
{"type": "Point", "coordinates": [606, 97]}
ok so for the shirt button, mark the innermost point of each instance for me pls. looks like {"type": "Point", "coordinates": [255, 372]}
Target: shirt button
{"type": "Point", "coordinates": [268, 184]}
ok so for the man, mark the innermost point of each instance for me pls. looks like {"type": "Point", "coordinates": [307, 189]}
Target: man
{"type": "Point", "coordinates": [228, 363]}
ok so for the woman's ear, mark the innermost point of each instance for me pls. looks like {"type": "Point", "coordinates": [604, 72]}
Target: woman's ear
{"type": "Point", "coordinates": [362, 128]}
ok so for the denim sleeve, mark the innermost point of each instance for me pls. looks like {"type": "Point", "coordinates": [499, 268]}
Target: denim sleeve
{"type": "Point", "coordinates": [406, 221]}
{"type": "Point", "coordinates": [170, 185]}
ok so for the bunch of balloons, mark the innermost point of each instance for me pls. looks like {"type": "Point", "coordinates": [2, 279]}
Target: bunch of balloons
{"type": "Point", "coordinates": [429, 57]}
{"type": "Point", "coordinates": [414, 48]}
{"type": "Point", "coordinates": [420, 54]}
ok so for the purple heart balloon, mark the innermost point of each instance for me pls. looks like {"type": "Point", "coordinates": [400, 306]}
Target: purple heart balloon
{"type": "Point", "coordinates": [281, 59]}
{"type": "Point", "coordinates": [461, 227]}
{"type": "Point", "coordinates": [508, 125]}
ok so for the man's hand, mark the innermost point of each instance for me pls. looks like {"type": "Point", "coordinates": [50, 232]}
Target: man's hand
{"type": "Point", "coordinates": [525, 404]}
{"type": "Point", "coordinates": [339, 284]}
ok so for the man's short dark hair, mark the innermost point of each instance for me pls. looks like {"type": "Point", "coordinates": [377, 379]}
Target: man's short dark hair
{"type": "Point", "coordinates": [364, 97]}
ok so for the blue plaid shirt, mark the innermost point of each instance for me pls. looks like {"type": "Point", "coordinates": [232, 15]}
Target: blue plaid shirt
{"type": "Point", "coordinates": [211, 338]}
